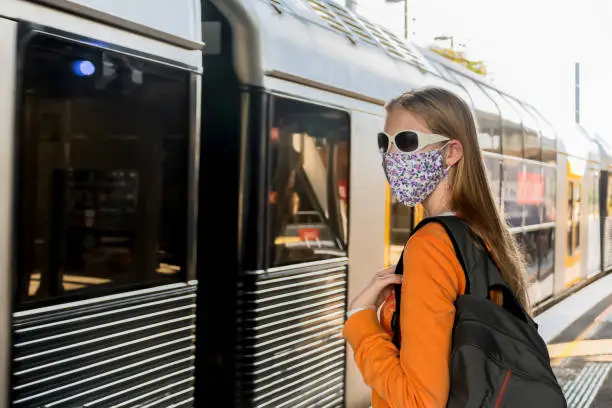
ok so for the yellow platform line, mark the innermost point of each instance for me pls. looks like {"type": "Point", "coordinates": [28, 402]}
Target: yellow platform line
{"type": "Point", "coordinates": [580, 348]}
{"type": "Point", "coordinates": [564, 350]}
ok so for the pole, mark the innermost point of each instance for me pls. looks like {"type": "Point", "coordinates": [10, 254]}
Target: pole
{"type": "Point", "coordinates": [577, 92]}
{"type": "Point", "coordinates": [406, 19]}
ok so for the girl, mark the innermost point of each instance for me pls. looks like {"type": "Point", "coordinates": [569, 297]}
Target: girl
{"type": "Point", "coordinates": [430, 156]}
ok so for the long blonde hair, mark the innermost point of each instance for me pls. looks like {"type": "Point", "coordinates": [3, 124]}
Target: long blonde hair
{"type": "Point", "coordinates": [448, 115]}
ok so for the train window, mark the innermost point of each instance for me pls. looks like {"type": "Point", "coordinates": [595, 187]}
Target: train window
{"type": "Point", "coordinates": [105, 141]}
{"type": "Point", "coordinates": [548, 137]}
{"type": "Point", "coordinates": [512, 129]}
{"type": "Point", "coordinates": [308, 181]}
{"type": "Point", "coordinates": [549, 148]}
{"type": "Point", "coordinates": [594, 212]}
{"type": "Point", "coordinates": [550, 194]}
{"type": "Point", "coordinates": [531, 142]}
{"type": "Point", "coordinates": [531, 193]}
{"type": "Point", "coordinates": [546, 253]}
{"type": "Point", "coordinates": [530, 247]}
{"type": "Point", "coordinates": [489, 132]}
{"type": "Point", "coordinates": [487, 116]}
{"type": "Point", "coordinates": [513, 210]}
{"type": "Point", "coordinates": [493, 167]}
{"type": "Point", "coordinates": [400, 226]}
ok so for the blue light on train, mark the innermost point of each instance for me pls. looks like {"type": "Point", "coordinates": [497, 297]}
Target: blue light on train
{"type": "Point", "coordinates": [83, 68]}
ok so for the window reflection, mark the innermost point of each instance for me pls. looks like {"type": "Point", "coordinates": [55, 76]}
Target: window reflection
{"type": "Point", "coordinates": [528, 241]}
{"type": "Point", "coordinates": [308, 178]}
{"type": "Point", "coordinates": [594, 212]}
{"type": "Point", "coordinates": [550, 194]}
{"type": "Point", "coordinates": [513, 210]}
{"type": "Point", "coordinates": [548, 137]}
{"type": "Point", "coordinates": [104, 170]}
{"type": "Point", "coordinates": [546, 252]}
{"type": "Point", "coordinates": [531, 140]}
{"type": "Point", "coordinates": [512, 129]}
{"type": "Point", "coordinates": [487, 115]}
{"type": "Point", "coordinates": [531, 193]}
{"type": "Point", "coordinates": [493, 167]}
{"type": "Point", "coordinates": [489, 132]}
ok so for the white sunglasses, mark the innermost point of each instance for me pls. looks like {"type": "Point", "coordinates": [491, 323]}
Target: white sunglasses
{"type": "Point", "coordinates": [408, 140]}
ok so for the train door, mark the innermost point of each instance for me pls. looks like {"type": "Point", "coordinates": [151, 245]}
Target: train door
{"type": "Point", "coordinates": [574, 210]}
{"type": "Point", "coordinates": [102, 150]}
{"type": "Point", "coordinates": [289, 347]}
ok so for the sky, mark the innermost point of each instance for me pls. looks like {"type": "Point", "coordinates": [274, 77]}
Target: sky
{"type": "Point", "coordinates": [529, 46]}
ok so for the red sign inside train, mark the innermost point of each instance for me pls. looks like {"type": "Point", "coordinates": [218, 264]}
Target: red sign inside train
{"type": "Point", "coordinates": [309, 234]}
{"type": "Point", "coordinates": [530, 188]}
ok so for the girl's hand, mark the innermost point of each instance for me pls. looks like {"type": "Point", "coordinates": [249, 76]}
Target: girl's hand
{"type": "Point", "coordinates": [379, 289]}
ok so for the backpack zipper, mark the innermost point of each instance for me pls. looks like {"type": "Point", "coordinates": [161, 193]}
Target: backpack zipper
{"type": "Point", "coordinates": [503, 389]}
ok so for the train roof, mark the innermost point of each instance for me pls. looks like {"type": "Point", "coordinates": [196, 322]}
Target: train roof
{"type": "Point", "coordinates": [571, 139]}
{"type": "Point", "coordinates": [320, 43]}
{"type": "Point", "coordinates": [323, 44]}
{"type": "Point", "coordinates": [176, 22]}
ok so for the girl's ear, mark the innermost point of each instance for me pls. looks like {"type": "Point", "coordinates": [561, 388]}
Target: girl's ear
{"type": "Point", "coordinates": [454, 152]}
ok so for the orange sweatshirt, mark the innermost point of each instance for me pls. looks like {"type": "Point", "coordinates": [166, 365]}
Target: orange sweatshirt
{"type": "Point", "coordinates": [418, 374]}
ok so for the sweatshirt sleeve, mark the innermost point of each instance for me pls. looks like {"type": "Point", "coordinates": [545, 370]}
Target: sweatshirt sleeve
{"type": "Point", "coordinates": [418, 374]}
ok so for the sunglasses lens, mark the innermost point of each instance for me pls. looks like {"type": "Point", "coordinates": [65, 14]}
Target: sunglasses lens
{"type": "Point", "coordinates": [383, 142]}
{"type": "Point", "coordinates": [407, 141]}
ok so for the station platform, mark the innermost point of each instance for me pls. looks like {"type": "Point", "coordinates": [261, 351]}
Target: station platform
{"type": "Point", "coordinates": [578, 331]}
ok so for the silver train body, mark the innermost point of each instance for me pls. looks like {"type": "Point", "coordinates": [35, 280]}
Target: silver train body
{"type": "Point", "coordinates": [192, 192]}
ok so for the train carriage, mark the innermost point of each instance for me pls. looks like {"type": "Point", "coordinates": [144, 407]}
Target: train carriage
{"type": "Point", "coordinates": [147, 178]}
{"type": "Point", "coordinates": [99, 129]}
{"type": "Point", "coordinates": [604, 200]}
{"type": "Point", "coordinates": [307, 82]}
{"type": "Point", "coordinates": [293, 99]}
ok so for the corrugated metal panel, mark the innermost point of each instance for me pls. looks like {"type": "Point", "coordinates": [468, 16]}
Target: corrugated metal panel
{"type": "Point", "coordinates": [121, 352]}
{"type": "Point", "coordinates": [291, 352]}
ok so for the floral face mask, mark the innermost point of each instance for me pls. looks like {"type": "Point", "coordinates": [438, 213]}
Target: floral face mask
{"type": "Point", "coordinates": [414, 176]}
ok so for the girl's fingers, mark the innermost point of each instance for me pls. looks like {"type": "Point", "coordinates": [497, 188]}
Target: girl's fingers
{"type": "Point", "coordinates": [389, 279]}
{"type": "Point", "coordinates": [386, 272]}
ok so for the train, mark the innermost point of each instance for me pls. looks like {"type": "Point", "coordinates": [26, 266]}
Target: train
{"type": "Point", "coordinates": [192, 192]}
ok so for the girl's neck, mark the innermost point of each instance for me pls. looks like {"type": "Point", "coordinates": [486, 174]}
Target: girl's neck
{"type": "Point", "coordinates": [434, 209]}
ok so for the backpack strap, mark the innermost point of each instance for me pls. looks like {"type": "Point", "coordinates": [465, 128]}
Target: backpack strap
{"type": "Point", "coordinates": [480, 269]}
{"type": "Point", "coordinates": [481, 273]}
